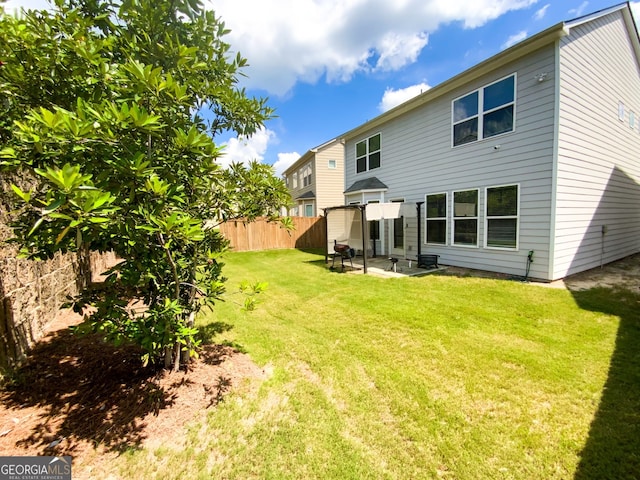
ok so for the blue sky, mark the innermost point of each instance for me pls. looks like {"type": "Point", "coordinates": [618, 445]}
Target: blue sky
{"type": "Point", "coordinates": [328, 66]}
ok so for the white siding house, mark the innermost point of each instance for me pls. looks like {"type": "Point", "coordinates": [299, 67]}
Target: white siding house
{"type": "Point", "coordinates": [537, 149]}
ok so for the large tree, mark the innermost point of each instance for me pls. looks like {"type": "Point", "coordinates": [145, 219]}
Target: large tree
{"type": "Point", "coordinates": [111, 108]}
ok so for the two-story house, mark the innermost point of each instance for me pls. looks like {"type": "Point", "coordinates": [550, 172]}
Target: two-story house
{"type": "Point", "coordinates": [531, 154]}
{"type": "Point", "coordinates": [316, 179]}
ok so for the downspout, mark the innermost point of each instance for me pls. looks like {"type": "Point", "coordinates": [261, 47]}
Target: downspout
{"type": "Point", "coordinates": [326, 243]}
{"type": "Point", "coordinates": [418, 208]}
{"type": "Point", "coordinates": [363, 218]}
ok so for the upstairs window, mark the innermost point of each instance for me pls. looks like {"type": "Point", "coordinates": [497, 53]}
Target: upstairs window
{"type": "Point", "coordinates": [333, 164]}
{"type": "Point", "coordinates": [484, 113]}
{"type": "Point", "coordinates": [436, 213]}
{"type": "Point", "coordinates": [368, 154]}
{"type": "Point", "coordinates": [306, 175]}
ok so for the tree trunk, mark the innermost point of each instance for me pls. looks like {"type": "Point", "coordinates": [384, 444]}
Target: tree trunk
{"type": "Point", "coordinates": [167, 357]}
{"type": "Point", "coordinates": [176, 357]}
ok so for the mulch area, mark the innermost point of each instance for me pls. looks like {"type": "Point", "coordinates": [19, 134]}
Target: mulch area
{"type": "Point", "coordinates": [76, 395]}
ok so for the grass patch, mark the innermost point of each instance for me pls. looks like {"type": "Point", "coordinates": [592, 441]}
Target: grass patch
{"type": "Point", "coordinates": [429, 377]}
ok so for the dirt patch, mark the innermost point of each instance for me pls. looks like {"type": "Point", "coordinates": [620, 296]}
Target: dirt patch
{"type": "Point", "coordinates": [78, 396]}
{"type": "Point", "coordinates": [623, 273]}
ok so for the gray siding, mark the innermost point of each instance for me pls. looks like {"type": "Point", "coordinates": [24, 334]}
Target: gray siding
{"type": "Point", "coordinates": [417, 159]}
{"type": "Point", "coordinates": [598, 172]}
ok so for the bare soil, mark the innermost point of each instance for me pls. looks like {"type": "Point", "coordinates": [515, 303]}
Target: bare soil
{"type": "Point", "coordinates": [78, 396]}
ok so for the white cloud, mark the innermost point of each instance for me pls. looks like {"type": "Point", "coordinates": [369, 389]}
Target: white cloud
{"type": "Point", "coordinates": [245, 150]}
{"type": "Point", "coordinates": [285, 160]}
{"type": "Point", "coordinates": [399, 50]}
{"type": "Point", "coordinates": [540, 14]}
{"type": "Point", "coordinates": [393, 98]}
{"type": "Point", "coordinates": [578, 12]}
{"type": "Point", "coordinates": [635, 9]}
{"type": "Point", "coordinates": [513, 39]}
{"type": "Point", "coordinates": [286, 41]}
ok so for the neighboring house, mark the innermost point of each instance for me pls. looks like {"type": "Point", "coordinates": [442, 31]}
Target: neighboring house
{"type": "Point", "coordinates": [536, 149]}
{"type": "Point", "coordinates": [316, 180]}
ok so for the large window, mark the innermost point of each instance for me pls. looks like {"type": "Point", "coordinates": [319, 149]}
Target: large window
{"type": "Point", "coordinates": [368, 154]}
{"type": "Point", "coordinates": [465, 218]}
{"type": "Point", "coordinates": [436, 221]}
{"type": "Point", "coordinates": [484, 113]}
{"type": "Point", "coordinates": [502, 212]}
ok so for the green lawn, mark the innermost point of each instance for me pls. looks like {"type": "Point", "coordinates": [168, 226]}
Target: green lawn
{"type": "Point", "coordinates": [411, 378]}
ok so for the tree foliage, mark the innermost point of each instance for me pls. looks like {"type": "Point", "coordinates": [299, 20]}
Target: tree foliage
{"type": "Point", "coordinates": [113, 107]}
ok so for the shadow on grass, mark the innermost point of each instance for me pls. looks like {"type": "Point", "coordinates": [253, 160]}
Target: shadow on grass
{"type": "Point", "coordinates": [612, 450]}
{"type": "Point", "coordinates": [84, 390]}
{"type": "Point", "coordinates": [209, 331]}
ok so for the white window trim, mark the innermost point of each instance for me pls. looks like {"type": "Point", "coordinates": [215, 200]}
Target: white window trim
{"type": "Point", "coordinates": [480, 115]}
{"type": "Point", "coordinates": [487, 218]}
{"type": "Point", "coordinates": [332, 164]}
{"type": "Point", "coordinates": [304, 209]}
{"type": "Point", "coordinates": [355, 148]}
{"type": "Point", "coordinates": [306, 174]}
{"type": "Point", "coordinates": [445, 218]}
{"type": "Point", "coordinates": [476, 218]}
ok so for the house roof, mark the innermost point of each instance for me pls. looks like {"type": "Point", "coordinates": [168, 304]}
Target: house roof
{"type": "Point", "coordinates": [307, 195]}
{"type": "Point", "coordinates": [519, 50]}
{"type": "Point", "coordinates": [371, 183]}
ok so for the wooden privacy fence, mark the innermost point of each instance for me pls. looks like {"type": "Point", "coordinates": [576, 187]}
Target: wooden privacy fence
{"type": "Point", "coordinates": [310, 232]}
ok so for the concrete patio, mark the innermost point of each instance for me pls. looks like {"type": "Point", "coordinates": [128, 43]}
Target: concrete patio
{"type": "Point", "coordinates": [382, 266]}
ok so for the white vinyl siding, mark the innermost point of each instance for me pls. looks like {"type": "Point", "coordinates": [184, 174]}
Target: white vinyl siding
{"type": "Point", "coordinates": [597, 217]}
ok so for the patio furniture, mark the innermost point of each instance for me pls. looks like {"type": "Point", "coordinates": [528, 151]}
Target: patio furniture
{"type": "Point", "coordinates": [428, 261]}
{"type": "Point", "coordinates": [344, 251]}
{"type": "Point", "coordinates": [394, 264]}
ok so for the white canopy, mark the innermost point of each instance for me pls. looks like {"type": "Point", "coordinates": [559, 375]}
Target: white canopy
{"type": "Point", "coordinates": [382, 211]}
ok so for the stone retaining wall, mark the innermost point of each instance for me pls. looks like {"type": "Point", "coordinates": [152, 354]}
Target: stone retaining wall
{"type": "Point", "coordinates": [32, 292]}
